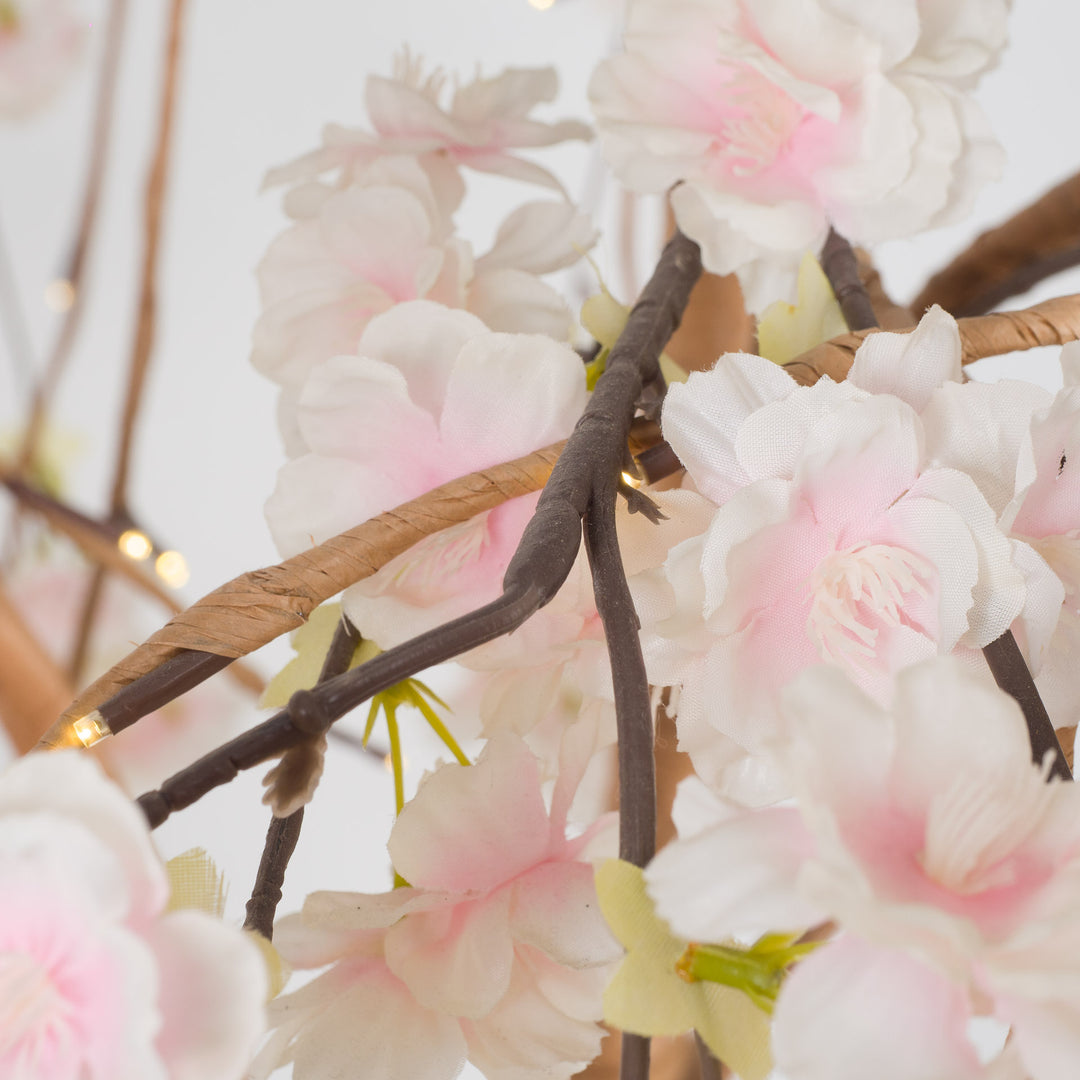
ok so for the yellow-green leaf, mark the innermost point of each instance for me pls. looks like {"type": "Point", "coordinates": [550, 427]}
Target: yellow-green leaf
{"type": "Point", "coordinates": [648, 997]}
{"type": "Point", "coordinates": [310, 644]}
{"type": "Point", "coordinates": [195, 882]}
{"type": "Point", "coordinates": [785, 331]}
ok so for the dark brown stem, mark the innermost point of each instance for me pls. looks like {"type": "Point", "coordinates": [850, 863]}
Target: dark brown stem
{"type": "Point", "coordinates": [153, 214]}
{"type": "Point", "coordinates": [841, 267]}
{"type": "Point", "coordinates": [75, 272]}
{"type": "Point", "coordinates": [711, 1069]}
{"type": "Point", "coordinates": [634, 1061]}
{"type": "Point", "coordinates": [1011, 673]}
{"type": "Point", "coordinates": [281, 840]}
{"type": "Point", "coordinates": [283, 833]}
{"type": "Point", "coordinates": [591, 462]}
{"type": "Point", "coordinates": [311, 712]}
{"type": "Point", "coordinates": [633, 708]}
{"type": "Point", "coordinates": [91, 599]}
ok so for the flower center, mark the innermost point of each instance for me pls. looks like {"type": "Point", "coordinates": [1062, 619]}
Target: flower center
{"type": "Point", "coordinates": [31, 1007]}
{"type": "Point", "coordinates": [1062, 554]}
{"type": "Point", "coordinates": [972, 827]}
{"type": "Point", "coordinates": [849, 589]}
{"type": "Point", "coordinates": [759, 119]}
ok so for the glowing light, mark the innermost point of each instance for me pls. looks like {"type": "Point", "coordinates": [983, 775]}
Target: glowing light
{"type": "Point", "coordinates": [59, 295]}
{"type": "Point", "coordinates": [388, 763]}
{"type": "Point", "coordinates": [542, 5]}
{"type": "Point", "coordinates": [631, 480]}
{"type": "Point", "coordinates": [172, 568]}
{"type": "Point", "coordinates": [135, 544]}
{"type": "Point", "coordinates": [91, 728]}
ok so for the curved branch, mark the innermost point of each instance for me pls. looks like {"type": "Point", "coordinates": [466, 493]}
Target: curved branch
{"type": "Point", "coordinates": [1041, 240]}
{"type": "Point", "coordinates": [1053, 322]}
{"type": "Point", "coordinates": [256, 607]}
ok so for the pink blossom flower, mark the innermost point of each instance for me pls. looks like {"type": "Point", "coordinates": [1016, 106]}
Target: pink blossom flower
{"type": "Point", "coordinates": [497, 952]}
{"type": "Point", "coordinates": [382, 241]}
{"type": "Point", "coordinates": [97, 980]}
{"type": "Point", "coordinates": [943, 854]}
{"type": "Point", "coordinates": [40, 41]}
{"type": "Point", "coordinates": [485, 123]}
{"type": "Point", "coordinates": [783, 118]}
{"type": "Point", "coordinates": [833, 540]}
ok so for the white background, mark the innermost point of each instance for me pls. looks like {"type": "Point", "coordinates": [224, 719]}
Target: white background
{"type": "Point", "coordinates": [259, 79]}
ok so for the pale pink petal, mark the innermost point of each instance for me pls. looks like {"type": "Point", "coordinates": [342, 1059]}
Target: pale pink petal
{"type": "Point", "coordinates": [761, 853]}
{"type": "Point", "coordinates": [1047, 1034]}
{"type": "Point", "coordinates": [526, 1037]}
{"type": "Point", "coordinates": [68, 783]}
{"type": "Point", "coordinates": [502, 368]}
{"type": "Point", "coordinates": [422, 340]}
{"type": "Point", "coordinates": [702, 415]}
{"type": "Point", "coordinates": [472, 828]}
{"type": "Point", "coordinates": [457, 958]}
{"type": "Point", "coordinates": [851, 1010]}
{"type": "Point", "coordinates": [910, 366]}
{"type": "Point", "coordinates": [514, 301]}
{"type": "Point", "coordinates": [540, 237]}
{"type": "Point", "coordinates": [213, 986]}
{"type": "Point", "coordinates": [555, 910]}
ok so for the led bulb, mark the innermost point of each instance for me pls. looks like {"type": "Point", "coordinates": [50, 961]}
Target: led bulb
{"type": "Point", "coordinates": [630, 480]}
{"type": "Point", "coordinates": [542, 5]}
{"type": "Point", "coordinates": [91, 728]}
{"type": "Point", "coordinates": [172, 568]}
{"type": "Point", "coordinates": [59, 295]}
{"type": "Point", "coordinates": [135, 544]}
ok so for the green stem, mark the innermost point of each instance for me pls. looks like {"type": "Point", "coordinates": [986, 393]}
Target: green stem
{"type": "Point", "coordinates": [440, 729]}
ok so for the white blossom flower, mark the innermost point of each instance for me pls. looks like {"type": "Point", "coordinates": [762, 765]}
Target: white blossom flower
{"type": "Point", "coordinates": [497, 952]}
{"type": "Point", "coordinates": [941, 852]}
{"type": "Point", "coordinates": [833, 540]}
{"type": "Point", "coordinates": [486, 122]}
{"type": "Point", "coordinates": [782, 118]}
{"type": "Point", "coordinates": [97, 980]}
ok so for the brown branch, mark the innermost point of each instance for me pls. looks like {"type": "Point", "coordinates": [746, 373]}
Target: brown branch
{"type": "Point", "coordinates": [32, 686]}
{"type": "Point", "coordinates": [1041, 240]}
{"type": "Point", "coordinates": [1010, 672]}
{"type": "Point", "coordinates": [258, 606]}
{"type": "Point", "coordinates": [591, 462]}
{"type": "Point", "coordinates": [281, 839]}
{"type": "Point", "coordinates": [890, 315]}
{"type": "Point", "coordinates": [153, 214]}
{"type": "Point", "coordinates": [75, 270]}
{"type": "Point", "coordinates": [284, 832]}
{"type": "Point", "coordinates": [842, 269]}
{"type": "Point", "coordinates": [1053, 322]}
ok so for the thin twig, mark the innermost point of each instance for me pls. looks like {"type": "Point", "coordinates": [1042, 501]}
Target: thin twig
{"type": "Point", "coordinates": [143, 344]}
{"type": "Point", "coordinates": [633, 707]}
{"type": "Point", "coordinates": [281, 839]}
{"type": "Point", "coordinates": [842, 269]}
{"type": "Point", "coordinates": [1010, 672]}
{"type": "Point", "coordinates": [153, 215]}
{"type": "Point", "coordinates": [75, 270]}
{"type": "Point", "coordinates": [283, 833]}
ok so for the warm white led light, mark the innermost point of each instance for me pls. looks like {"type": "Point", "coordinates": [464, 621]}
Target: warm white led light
{"type": "Point", "coordinates": [59, 295]}
{"type": "Point", "coordinates": [172, 568]}
{"type": "Point", "coordinates": [633, 481]}
{"type": "Point", "coordinates": [91, 728]}
{"type": "Point", "coordinates": [135, 544]}
{"type": "Point", "coordinates": [542, 5]}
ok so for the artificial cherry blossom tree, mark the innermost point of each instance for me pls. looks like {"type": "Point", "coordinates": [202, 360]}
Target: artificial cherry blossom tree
{"type": "Point", "coordinates": [847, 572]}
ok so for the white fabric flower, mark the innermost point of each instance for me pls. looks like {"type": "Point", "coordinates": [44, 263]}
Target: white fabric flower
{"type": "Point", "coordinates": [945, 857]}
{"type": "Point", "coordinates": [486, 122]}
{"type": "Point", "coordinates": [497, 952]}
{"type": "Point", "coordinates": [96, 980]}
{"type": "Point", "coordinates": [833, 540]}
{"type": "Point", "coordinates": [782, 118]}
